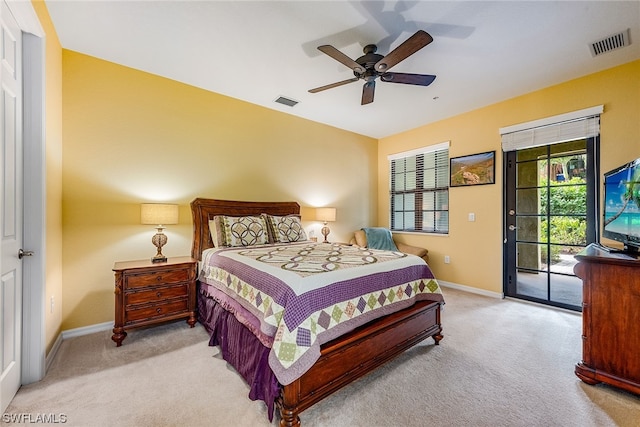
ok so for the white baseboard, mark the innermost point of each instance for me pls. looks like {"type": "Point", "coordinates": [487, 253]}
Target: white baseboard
{"type": "Point", "coordinates": [48, 360]}
{"type": "Point", "coordinates": [86, 330]}
{"type": "Point", "coordinates": [471, 289]}
{"type": "Point", "coordinates": [70, 333]}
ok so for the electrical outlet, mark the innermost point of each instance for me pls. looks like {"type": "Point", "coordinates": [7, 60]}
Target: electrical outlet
{"type": "Point", "coordinates": [472, 217]}
{"type": "Point", "coordinates": [52, 303]}
{"type": "Point", "coordinates": [447, 260]}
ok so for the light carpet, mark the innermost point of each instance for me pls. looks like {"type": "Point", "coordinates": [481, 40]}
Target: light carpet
{"type": "Point", "coordinates": [501, 363]}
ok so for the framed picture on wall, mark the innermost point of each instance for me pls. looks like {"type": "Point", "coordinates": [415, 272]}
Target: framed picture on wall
{"type": "Point", "coordinates": [476, 169]}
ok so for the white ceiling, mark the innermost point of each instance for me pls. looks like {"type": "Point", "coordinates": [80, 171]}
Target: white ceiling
{"type": "Point", "coordinates": [482, 53]}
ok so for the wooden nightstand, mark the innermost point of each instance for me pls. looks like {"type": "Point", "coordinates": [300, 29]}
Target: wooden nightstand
{"type": "Point", "coordinates": [148, 293]}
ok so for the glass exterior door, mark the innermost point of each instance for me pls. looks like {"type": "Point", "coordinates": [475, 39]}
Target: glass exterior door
{"type": "Point", "coordinates": [550, 216]}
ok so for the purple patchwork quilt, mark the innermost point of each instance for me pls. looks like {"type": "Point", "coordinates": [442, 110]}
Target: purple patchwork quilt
{"type": "Point", "coordinates": [305, 294]}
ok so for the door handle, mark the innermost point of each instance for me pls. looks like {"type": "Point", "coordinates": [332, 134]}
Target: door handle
{"type": "Point", "coordinates": [22, 254]}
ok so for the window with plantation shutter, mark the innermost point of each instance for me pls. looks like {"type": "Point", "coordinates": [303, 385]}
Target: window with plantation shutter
{"type": "Point", "coordinates": [420, 190]}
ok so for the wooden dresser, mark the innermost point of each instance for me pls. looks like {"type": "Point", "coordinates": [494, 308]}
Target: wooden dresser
{"type": "Point", "coordinates": [610, 318]}
{"type": "Point", "coordinates": [148, 293]}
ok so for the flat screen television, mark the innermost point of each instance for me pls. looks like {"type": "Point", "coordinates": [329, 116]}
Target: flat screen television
{"type": "Point", "coordinates": [621, 220]}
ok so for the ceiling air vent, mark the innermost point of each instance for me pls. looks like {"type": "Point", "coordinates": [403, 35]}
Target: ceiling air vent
{"type": "Point", "coordinates": [610, 43]}
{"type": "Point", "coordinates": [286, 101]}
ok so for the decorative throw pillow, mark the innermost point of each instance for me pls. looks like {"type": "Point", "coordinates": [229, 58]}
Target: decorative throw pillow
{"type": "Point", "coordinates": [285, 229]}
{"type": "Point", "coordinates": [238, 231]}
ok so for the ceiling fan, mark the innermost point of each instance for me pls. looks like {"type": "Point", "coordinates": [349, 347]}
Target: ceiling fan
{"type": "Point", "coordinates": [371, 65]}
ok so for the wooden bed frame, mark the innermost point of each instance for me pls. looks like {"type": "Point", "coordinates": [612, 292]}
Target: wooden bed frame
{"type": "Point", "coordinates": [344, 359]}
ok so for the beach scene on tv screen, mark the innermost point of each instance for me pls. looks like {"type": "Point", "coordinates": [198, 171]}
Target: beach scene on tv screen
{"type": "Point", "coordinates": [616, 203]}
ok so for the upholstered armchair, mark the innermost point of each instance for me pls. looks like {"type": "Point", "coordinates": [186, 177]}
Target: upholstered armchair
{"type": "Point", "coordinates": [360, 239]}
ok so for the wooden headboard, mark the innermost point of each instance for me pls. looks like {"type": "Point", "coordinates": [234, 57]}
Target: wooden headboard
{"type": "Point", "coordinates": [204, 210]}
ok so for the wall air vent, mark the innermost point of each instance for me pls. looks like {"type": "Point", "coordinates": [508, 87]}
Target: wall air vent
{"type": "Point", "coordinates": [286, 101]}
{"type": "Point", "coordinates": [610, 43]}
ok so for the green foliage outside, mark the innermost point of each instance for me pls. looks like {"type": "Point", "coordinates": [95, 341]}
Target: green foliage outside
{"type": "Point", "coordinates": [565, 198]}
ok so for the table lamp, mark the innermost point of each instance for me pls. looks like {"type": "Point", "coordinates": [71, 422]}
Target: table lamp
{"type": "Point", "coordinates": [325, 215]}
{"type": "Point", "coordinates": [159, 214]}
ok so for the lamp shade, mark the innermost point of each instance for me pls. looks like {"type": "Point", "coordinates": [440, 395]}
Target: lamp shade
{"type": "Point", "coordinates": [158, 213]}
{"type": "Point", "coordinates": [326, 214]}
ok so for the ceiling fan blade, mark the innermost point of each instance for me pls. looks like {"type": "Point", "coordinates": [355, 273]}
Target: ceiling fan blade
{"type": "Point", "coordinates": [410, 46]}
{"type": "Point", "coordinates": [332, 85]}
{"type": "Point", "coordinates": [367, 92]}
{"type": "Point", "coordinates": [341, 57]}
{"type": "Point", "coordinates": [409, 79]}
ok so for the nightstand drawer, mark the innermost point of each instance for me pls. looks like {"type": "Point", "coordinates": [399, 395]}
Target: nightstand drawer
{"type": "Point", "coordinates": [157, 294]}
{"type": "Point", "coordinates": [159, 310]}
{"type": "Point", "coordinates": [158, 278]}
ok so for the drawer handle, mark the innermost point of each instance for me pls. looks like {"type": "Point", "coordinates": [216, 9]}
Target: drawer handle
{"type": "Point", "coordinates": [158, 310]}
{"type": "Point", "coordinates": [159, 294]}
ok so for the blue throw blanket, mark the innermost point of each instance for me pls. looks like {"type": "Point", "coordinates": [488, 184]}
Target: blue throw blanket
{"type": "Point", "coordinates": [379, 238]}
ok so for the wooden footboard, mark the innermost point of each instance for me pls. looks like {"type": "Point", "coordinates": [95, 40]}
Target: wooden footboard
{"type": "Point", "coordinates": [354, 355]}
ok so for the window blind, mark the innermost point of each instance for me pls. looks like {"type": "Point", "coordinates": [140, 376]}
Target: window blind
{"type": "Point", "coordinates": [422, 150]}
{"type": "Point", "coordinates": [419, 189]}
{"type": "Point", "coordinates": [552, 130]}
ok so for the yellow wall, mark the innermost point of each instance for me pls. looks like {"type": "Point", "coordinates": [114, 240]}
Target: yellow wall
{"type": "Point", "coordinates": [53, 142]}
{"type": "Point", "coordinates": [132, 137]}
{"type": "Point", "coordinates": [475, 248]}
